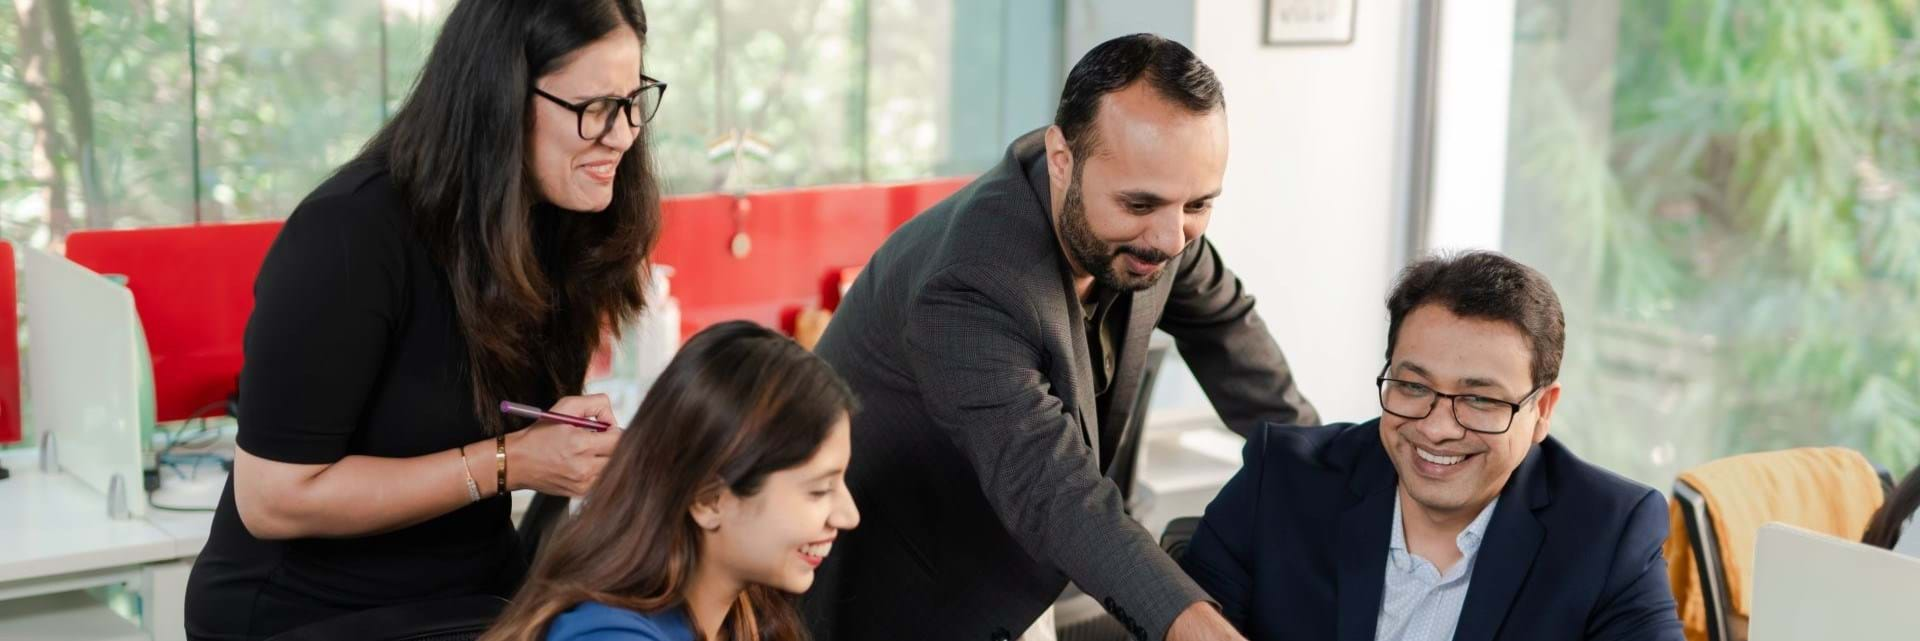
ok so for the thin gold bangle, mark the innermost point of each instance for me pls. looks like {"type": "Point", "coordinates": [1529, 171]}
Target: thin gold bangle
{"type": "Point", "coordinates": [473, 488]}
{"type": "Point", "coordinates": [500, 459]}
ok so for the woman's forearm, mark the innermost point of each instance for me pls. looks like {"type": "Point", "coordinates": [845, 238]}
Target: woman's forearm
{"type": "Point", "coordinates": [357, 495]}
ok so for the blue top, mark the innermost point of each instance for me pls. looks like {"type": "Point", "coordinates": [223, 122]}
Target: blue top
{"type": "Point", "coordinates": [592, 621]}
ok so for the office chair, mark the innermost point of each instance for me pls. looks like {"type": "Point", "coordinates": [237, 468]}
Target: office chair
{"type": "Point", "coordinates": [1126, 459]}
{"type": "Point", "coordinates": [455, 619]}
{"type": "Point", "coordinates": [1179, 533]}
{"type": "Point", "coordinates": [1707, 561]}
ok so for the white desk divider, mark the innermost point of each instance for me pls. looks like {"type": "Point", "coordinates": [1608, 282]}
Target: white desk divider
{"type": "Point", "coordinates": [83, 377]}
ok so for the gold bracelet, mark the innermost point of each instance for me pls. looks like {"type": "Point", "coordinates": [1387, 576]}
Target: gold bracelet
{"type": "Point", "coordinates": [473, 489]}
{"type": "Point", "coordinates": [500, 458]}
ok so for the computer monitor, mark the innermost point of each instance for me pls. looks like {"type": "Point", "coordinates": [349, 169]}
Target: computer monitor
{"type": "Point", "coordinates": [1809, 586]}
{"type": "Point", "coordinates": [84, 371]}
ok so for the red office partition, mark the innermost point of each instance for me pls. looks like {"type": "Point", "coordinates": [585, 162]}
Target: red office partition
{"type": "Point", "coordinates": [800, 243]}
{"type": "Point", "coordinates": [193, 285]}
{"type": "Point", "coordinates": [193, 288]}
{"type": "Point", "coordinates": [9, 347]}
{"type": "Point", "coordinates": [909, 199]}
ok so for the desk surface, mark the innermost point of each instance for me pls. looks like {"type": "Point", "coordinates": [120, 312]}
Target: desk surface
{"type": "Point", "coordinates": [53, 525]}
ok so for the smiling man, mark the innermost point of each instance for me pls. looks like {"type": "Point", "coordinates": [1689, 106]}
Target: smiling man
{"type": "Point", "coordinates": [997, 343]}
{"type": "Point", "coordinates": [1452, 516]}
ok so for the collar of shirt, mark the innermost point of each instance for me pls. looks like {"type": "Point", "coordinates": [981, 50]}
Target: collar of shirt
{"type": "Point", "coordinates": [1095, 309]}
{"type": "Point", "coordinates": [1468, 541]}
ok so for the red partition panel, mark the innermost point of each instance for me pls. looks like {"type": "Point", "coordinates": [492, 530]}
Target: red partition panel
{"type": "Point", "coordinates": [9, 348]}
{"type": "Point", "coordinates": [909, 199]}
{"type": "Point", "coordinates": [801, 241]}
{"type": "Point", "coordinates": [193, 287]}
{"type": "Point", "coordinates": [796, 237]}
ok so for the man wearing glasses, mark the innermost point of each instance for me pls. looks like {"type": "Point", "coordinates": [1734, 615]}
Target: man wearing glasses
{"type": "Point", "coordinates": [1452, 516]}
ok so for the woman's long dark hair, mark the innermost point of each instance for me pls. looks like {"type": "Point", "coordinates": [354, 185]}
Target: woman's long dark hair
{"type": "Point", "coordinates": [1884, 528]}
{"type": "Point", "coordinates": [737, 403]}
{"type": "Point", "coordinates": [533, 286]}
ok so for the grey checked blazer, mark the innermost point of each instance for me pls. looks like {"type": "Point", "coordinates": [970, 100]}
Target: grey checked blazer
{"type": "Point", "coordinates": [977, 464]}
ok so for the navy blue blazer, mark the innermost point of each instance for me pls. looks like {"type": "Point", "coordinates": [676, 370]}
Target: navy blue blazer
{"type": "Point", "coordinates": [1295, 546]}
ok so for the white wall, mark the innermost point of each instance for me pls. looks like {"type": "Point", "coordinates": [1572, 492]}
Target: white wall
{"type": "Point", "coordinates": [1311, 206]}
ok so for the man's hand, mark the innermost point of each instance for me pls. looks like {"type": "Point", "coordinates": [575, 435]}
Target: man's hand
{"type": "Point", "coordinates": [1201, 622]}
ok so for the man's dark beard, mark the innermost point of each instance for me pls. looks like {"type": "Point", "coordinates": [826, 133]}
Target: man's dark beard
{"type": "Point", "coordinates": [1097, 257]}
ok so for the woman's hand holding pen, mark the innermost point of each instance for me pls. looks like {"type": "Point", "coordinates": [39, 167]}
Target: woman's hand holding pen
{"type": "Point", "coordinates": [560, 459]}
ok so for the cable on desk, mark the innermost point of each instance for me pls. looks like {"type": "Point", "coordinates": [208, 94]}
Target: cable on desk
{"type": "Point", "coordinates": [175, 508]}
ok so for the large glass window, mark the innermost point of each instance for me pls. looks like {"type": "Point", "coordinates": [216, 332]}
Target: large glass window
{"type": "Point", "coordinates": [286, 93]}
{"type": "Point", "coordinates": [124, 114]}
{"type": "Point", "coordinates": [1724, 194]}
{"type": "Point", "coordinates": [96, 110]}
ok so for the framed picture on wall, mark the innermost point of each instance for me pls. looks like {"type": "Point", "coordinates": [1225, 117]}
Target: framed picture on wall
{"type": "Point", "coordinates": [1308, 22]}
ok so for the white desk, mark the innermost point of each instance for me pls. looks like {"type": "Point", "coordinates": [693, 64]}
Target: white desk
{"type": "Point", "coordinates": [56, 537]}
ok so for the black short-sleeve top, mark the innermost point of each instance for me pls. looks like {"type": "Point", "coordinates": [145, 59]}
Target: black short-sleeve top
{"type": "Point", "coordinates": [353, 348]}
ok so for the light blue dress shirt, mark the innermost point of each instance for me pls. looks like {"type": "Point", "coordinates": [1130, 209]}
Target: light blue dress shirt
{"type": "Point", "coordinates": [1418, 603]}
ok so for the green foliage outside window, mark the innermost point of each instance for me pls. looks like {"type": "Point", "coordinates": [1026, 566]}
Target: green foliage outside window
{"type": "Point", "coordinates": [1728, 204]}
{"type": "Point", "coordinates": [127, 113]}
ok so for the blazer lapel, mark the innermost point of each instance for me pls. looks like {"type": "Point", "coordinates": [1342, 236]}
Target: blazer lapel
{"type": "Point", "coordinates": [1506, 557]}
{"type": "Point", "coordinates": [1361, 558]}
{"type": "Point", "coordinates": [1078, 394]}
{"type": "Point", "coordinates": [1143, 313]}
{"type": "Point", "coordinates": [1081, 392]}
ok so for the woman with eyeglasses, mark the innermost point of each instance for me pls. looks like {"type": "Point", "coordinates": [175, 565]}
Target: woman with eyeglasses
{"type": "Point", "coordinates": [470, 255]}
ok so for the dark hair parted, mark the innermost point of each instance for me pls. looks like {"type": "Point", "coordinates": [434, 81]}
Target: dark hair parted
{"type": "Point", "coordinates": [738, 403]}
{"type": "Point", "coordinates": [533, 285]}
{"type": "Point", "coordinates": [1489, 286]}
{"type": "Point", "coordinates": [1167, 66]}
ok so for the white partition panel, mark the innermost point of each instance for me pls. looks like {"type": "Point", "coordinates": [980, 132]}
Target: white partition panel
{"type": "Point", "coordinates": [83, 373]}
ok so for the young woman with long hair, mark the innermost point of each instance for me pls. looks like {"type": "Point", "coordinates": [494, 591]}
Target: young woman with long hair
{"type": "Point", "coordinates": [725, 493]}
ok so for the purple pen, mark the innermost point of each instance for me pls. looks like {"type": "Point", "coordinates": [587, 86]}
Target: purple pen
{"type": "Point", "coordinates": [516, 409]}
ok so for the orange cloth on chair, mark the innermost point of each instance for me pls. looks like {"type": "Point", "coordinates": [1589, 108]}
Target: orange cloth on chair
{"type": "Point", "coordinates": [1826, 489]}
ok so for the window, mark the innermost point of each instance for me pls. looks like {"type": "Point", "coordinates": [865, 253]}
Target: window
{"type": "Point", "coordinates": [125, 114]}
{"type": "Point", "coordinates": [1724, 195]}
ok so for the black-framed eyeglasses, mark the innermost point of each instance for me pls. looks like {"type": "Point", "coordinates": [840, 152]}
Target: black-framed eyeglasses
{"type": "Point", "coordinates": [595, 115]}
{"type": "Point", "coordinates": [1483, 414]}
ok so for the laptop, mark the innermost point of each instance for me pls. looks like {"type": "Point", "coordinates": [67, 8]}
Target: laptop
{"type": "Point", "coordinates": [1809, 586]}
